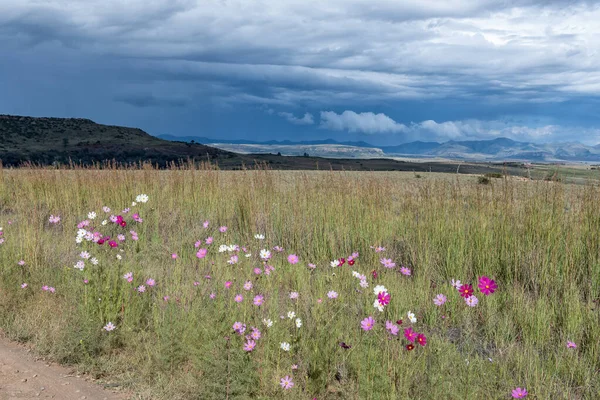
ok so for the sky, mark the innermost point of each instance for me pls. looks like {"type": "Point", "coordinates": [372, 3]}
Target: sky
{"type": "Point", "coordinates": [382, 71]}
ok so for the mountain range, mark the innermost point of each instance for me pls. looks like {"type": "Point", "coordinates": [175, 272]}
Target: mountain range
{"type": "Point", "coordinates": [498, 149]}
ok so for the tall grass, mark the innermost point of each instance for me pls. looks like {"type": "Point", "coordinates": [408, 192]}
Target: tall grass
{"type": "Point", "coordinates": [538, 240]}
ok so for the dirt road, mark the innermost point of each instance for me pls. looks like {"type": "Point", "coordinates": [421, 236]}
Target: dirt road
{"type": "Point", "coordinates": [24, 377]}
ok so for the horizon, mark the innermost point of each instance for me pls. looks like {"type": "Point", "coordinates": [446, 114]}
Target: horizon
{"type": "Point", "coordinates": [383, 73]}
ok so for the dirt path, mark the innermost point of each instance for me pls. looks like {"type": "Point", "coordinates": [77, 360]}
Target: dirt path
{"type": "Point", "coordinates": [24, 377]}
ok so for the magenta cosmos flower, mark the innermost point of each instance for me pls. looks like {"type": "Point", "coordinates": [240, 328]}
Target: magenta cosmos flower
{"type": "Point", "coordinates": [571, 345]}
{"type": "Point", "coordinates": [466, 291]}
{"type": "Point", "coordinates": [384, 298]}
{"type": "Point", "coordinates": [410, 335]}
{"type": "Point", "coordinates": [421, 339]}
{"type": "Point", "coordinates": [293, 259]}
{"type": "Point", "coordinates": [519, 393]}
{"type": "Point", "coordinates": [367, 323]}
{"type": "Point", "coordinates": [487, 286]}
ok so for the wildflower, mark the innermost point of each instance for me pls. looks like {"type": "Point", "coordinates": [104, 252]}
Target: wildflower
{"type": "Point", "coordinates": [378, 289]}
{"type": "Point", "coordinates": [259, 236]}
{"type": "Point", "coordinates": [409, 334]}
{"type": "Point", "coordinates": [466, 290]}
{"type": "Point", "coordinates": [341, 261]}
{"type": "Point", "coordinates": [335, 263]}
{"type": "Point", "coordinates": [104, 222]}
{"type": "Point", "coordinates": [487, 286]}
{"type": "Point", "coordinates": [249, 345]}
{"type": "Point", "coordinates": [294, 367]}
{"type": "Point", "coordinates": [312, 266]}
{"type": "Point", "coordinates": [151, 282]}
{"type": "Point", "coordinates": [84, 254]}
{"type": "Point", "coordinates": [292, 259]}
{"type": "Point", "coordinates": [421, 339]}
{"type": "Point", "coordinates": [405, 271]}
{"type": "Point", "coordinates": [54, 219]}
{"type": "Point", "coordinates": [51, 289]}
{"type": "Point", "coordinates": [248, 285]}
{"type": "Point", "coordinates": [351, 262]}
{"type": "Point", "coordinates": [141, 289]}
{"type": "Point", "coordinates": [439, 300]}
{"type": "Point", "coordinates": [233, 259]}
{"type": "Point", "coordinates": [24, 286]}
{"type": "Point", "coordinates": [410, 347]}
{"type": "Point", "coordinates": [298, 322]}
{"type": "Point", "coordinates": [384, 298]}
{"type": "Point", "coordinates": [79, 265]}
{"type": "Point", "coordinates": [228, 284]}
{"type": "Point", "coordinates": [367, 323]}
{"type": "Point", "coordinates": [112, 244]}
{"type": "Point", "coordinates": [374, 273]}
{"type": "Point", "coordinates": [391, 328]}
{"type": "Point", "coordinates": [399, 322]}
{"type": "Point", "coordinates": [268, 323]}
{"type": "Point", "coordinates": [212, 296]}
{"type": "Point", "coordinates": [205, 224]}
{"type": "Point", "coordinates": [174, 256]}
{"type": "Point", "coordinates": [257, 271]}
{"type": "Point", "coordinates": [255, 334]}
{"type": "Point", "coordinates": [294, 295]}
{"type": "Point", "coordinates": [291, 314]}
{"type": "Point", "coordinates": [286, 382]}
{"type": "Point", "coordinates": [128, 276]}
{"type": "Point", "coordinates": [278, 249]}
{"type": "Point", "coordinates": [364, 284]}
{"type": "Point", "coordinates": [571, 345]}
{"type": "Point", "coordinates": [121, 237]}
{"type": "Point", "coordinates": [119, 257]}
{"type": "Point", "coordinates": [332, 295]}
{"type": "Point", "coordinates": [91, 215]}
{"type": "Point", "coordinates": [222, 229]}
{"type": "Point", "coordinates": [21, 262]}
{"type": "Point", "coordinates": [456, 284]}
{"type": "Point", "coordinates": [136, 218]}
{"type": "Point", "coordinates": [519, 393]}
{"type": "Point", "coordinates": [387, 262]}
{"type": "Point", "coordinates": [343, 345]}
{"type": "Point", "coordinates": [106, 209]}
{"type": "Point", "coordinates": [411, 317]}
{"type": "Point", "coordinates": [45, 288]}
{"type": "Point", "coordinates": [237, 326]}
{"type": "Point", "coordinates": [166, 298]}
{"type": "Point", "coordinates": [201, 253]}
{"type": "Point", "coordinates": [285, 346]}
{"type": "Point", "coordinates": [355, 255]}
{"type": "Point", "coordinates": [471, 301]}
{"type": "Point", "coordinates": [238, 298]}
{"type": "Point", "coordinates": [141, 198]}
{"type": "Point", "coordinates": [109, 327]}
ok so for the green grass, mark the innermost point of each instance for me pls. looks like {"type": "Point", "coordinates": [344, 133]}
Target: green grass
{"type": "Point", "coordinates": [538, 240]}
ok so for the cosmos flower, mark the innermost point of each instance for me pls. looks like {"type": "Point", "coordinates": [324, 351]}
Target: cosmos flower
{"type": "Point", "coordinates": [335, 263]}
{"type": "Point", "coordinates": [409, 334]}
{"type": "Point", "coordinates": [142, 198]}
{"type": "Point", "coordinates": [286, 382]}
{"type": "Point", "coordinates": [292, 259]}
{"type": "Point", "coordinates": [248, 285]}
{"type": "Point", "coordinates": [151, 282]}
{"type": "Point", "coordinates": [487, 286]}
{"type": "Point", "coordinates": [249, 345]}
{"type": "Point", "coordinates": [421, 339]}
{"type": "Point", "coordinates": [238, 298]}
{"type": "Point", "coordinates": [411, 317]}
{"type": "Point", "coordinates": [267, 322]}
{"type": "Point", "coordinates": [259, 236]}
{"type": "Point", "coordinates": [291, 314]}
{"type": "Point", "coordinates": [285, 346]}
{"type": "Point", "coordinates": [222, 229]}
{"type": "Point", "coordinates": [383, 298]}
{"type": "Point", "coordinates": [109, 327]}
{"type": "Point", "coordinates": [332, 295]}
{"type": "Point", "coordinates": [387, 262]}
{"type": "Point", "coordinates": [367, 323]}
{"type": "Point", "coordinates": [405, 271]}
{"type": "Point", "coordinates": [378, 289]}
{"type": "Point", "coordinates": [265, 254]}
{"type": "Point", "coordinates": [472, 301]}
{"type": "Point", "coordinates": [298, 322]}
{"type": "Point", "coordinates": [392, 328]}
{"type": "Point", "coordinates": [456, 284]}
{"type": "Point", "coordinates": [294, 295]}
{"type": "Point", "coordinates": [571, 345]}
{"type": "Point", "coordinates": [466, 290]}
{"type": "Point", "coordinates": [439, 300]}
{"type": "Point", "coordinates": [519, 393]}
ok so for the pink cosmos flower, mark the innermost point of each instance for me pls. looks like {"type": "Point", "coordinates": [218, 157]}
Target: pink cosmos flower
{"type": "Point", "coordinates": [45, 288]}
{"type": "Point", "coordinates": [472, 301]}
{"type": "Point", "coordinates": [258, 300]}
{"type": "Point", "coordinates": [208, 240]}
{"type": "Point", "coordinates": [141, 289]}
{"type": "Point", "coordinates": [196, 283]}
{"type": "Point", "coordinates": [257, 271]}
{"type": "Point", "coordinates": [571, 345]}
{"type": "Point", "coordinates": [233, 259]}
{"type": "Point", "coordinates": [487, 286]}
{"type": "Point", "coordinates": [294, 295]}
{"type": "Point", "coordinates": [439, 300]}
{"type": "Point", "coordinates": [109, 327]}
{"type": "Point", "coordinates": [387, 262]}
{"type": "Point", "coordinates": [292, 259]}
{"type": "Point", "coordinates": [212, 296]}
{"type": "Point", "coordinates": [51, 289]}
{"type": "Point", "coordinates": [201, 253]}
{"type": "Point", "coordinates": [278, 249]}
{"type": "Point", "coordinates": [228, 284]}
{"type": "Point", "coordinates": [222, 229]}
{"type": "Point", "coordinates": [128, 276]}
{"type": "Point", "coordinates": [286, 382]}
{"type": "Point", "coordinates": [106, 209]}
{"type": "Point", "coordinates": [255, 334]}
{"type": "Point", "coordinates": [151, 282]}
{"type": "Point", "coordinates": [198, 243]}
{"type": "Point", "coordinates": [519, 393]}
{"type": "Point", "coordinates": [121, 237]}
{"type": "Point", "coordinates": [332, 295]}
{"type": "Point", "coordinates": [174, 256]}
{"type": "Point", "coordinates": [248, 285]}
{"type": "Point", "coordinates": [421, 339]}
{"type": "Point", "coordinates": [249, 345]}
{"type": "Point", "coordinates": [410, 335]}
{"type": "Point", "coordinates": [405, 271]}
{"type": "Point", "coordinates": [367, 323]}
{"type": "Point", "coordinates": [205, 224]}
{"type": "Point", "coordinates": [311, 266]}
{"type": "Point", "coordinates": [166, 298]}
{"type": "Point", "coordinates": [392, 328]}
{"type": "Point", "coordinates": [238, 298]}
{"type": "Point", "coordinates": [22, 262]}
{"type": "Point", "coordinates": [23, 285]}
{"type": "Point", "coordinates": [237, 326]}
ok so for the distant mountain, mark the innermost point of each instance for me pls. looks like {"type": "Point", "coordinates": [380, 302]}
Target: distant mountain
{"type": "Point", "coordinates": [205, 140]}
{"type": "Point", "coordinates": [498, 149]}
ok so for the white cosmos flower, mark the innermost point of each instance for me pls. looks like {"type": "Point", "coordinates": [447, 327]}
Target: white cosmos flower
{"type": "Point", "coordinates": [94, 261]}
{"type": "Point", "coordinates": [119, 257]}
{"type": "Point", "coordinates": [248, 255]}
{"type": "Point", "coordinates": [378, 289]}
{"type": "Point", "coordinates": [133, 204]}
{"type": "Point", "coordinates": [81, 232]}
{"type": "Point", "coordinates": [268, 323]}
{"type": "Point", "coordinates": [285, 346]}
{"type": "Point", "coordinates": [298, 322]}
{"type": "Point", "coordinates": [291, 314]}
{"type": "Point", "coordinates": [377, 305]}
{"type": "Point", "coordinates": [265, 254]}
{"type": "Point", "coordinates": [259, 236]}
{"type": "Point", "coordinates": [222, 248]}
{"type": "Point", "coordinates": [78, 239]}
{"type": "Point", "coordinates": [80, 265]}
{"type": "Point", "coordinates": [91, 215]}
{"type": "Point", "coordinates": [141, 198]}
{"type": "Point", "coordinates": [355, 274]}
{"type": "Point", "coordinates": [411, 317]}
{"type": "Point", "coordinates": [335, 263]}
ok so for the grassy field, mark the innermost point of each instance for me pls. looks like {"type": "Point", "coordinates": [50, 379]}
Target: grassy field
{"type": "Point", "coordinates": [175, 340]}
